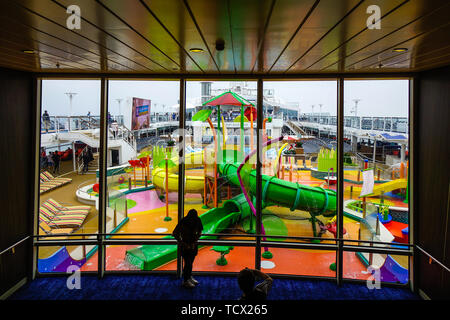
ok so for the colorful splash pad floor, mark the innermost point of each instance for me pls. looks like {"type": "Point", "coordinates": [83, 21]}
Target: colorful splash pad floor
{"type": "Point", "coordinates": [147, 216]}
{"type": "Point", "coordinates": [286, 261]}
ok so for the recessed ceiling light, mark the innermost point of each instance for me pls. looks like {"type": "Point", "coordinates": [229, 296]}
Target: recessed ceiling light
{"type": "Point", "coordinates": [400, 49]}
{"type": "Point", "coordinates": [196, 50]}
{"type": "Point", "coordinates": [28, 51]}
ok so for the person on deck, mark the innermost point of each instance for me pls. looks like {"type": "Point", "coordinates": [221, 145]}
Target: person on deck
{"type": "Point", "coordinates": [187, 232]}
{"type": "Point", "coordinates": [46, 121]}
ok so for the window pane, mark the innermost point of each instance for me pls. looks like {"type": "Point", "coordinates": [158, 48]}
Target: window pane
{"type": "Point", "coordinates": [378, 141]}
{"type": "Point", "coordinates": [142, 162]}
{"type": "Point", "coordinates": [299, 173]}
{"type": "Point", "coordinates": [66, 259]}
{"type": "Point", "coordinates": [216, 142]}
{"type": "Point", "coordinates": [70, 123]}
{"type": "Point", "coordinates": [374, 266]}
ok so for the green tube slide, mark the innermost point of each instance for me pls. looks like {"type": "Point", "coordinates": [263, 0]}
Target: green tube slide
{"type": "Point", "coordinates": [315, 200]}
{"type": "Point", "coordinates": [149, 257]}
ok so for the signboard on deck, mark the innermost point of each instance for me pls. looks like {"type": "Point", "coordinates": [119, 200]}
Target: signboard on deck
{"type": "Point", "coordinates": [368, 183]}
{"type": "Point", "coordinates": [140, 117]}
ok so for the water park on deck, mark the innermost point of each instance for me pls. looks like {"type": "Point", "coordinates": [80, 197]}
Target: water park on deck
{"type": "Point", "coordinates": [298, 200]}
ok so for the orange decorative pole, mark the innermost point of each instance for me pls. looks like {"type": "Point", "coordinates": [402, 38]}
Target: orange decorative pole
{"type": "Point", "coordinates": [215, 162]}
{"type": "Point", "coordinates": [402, 170]}
{"type": "Point", "coordinates": [134, 173]}
{"type": "Point", "coordinates": [148, 166]}
{"type": "Point", "coordinates": [290, 170]}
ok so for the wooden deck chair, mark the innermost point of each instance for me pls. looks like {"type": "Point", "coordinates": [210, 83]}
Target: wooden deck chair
{"type": "Point", "coordinates": [61, 207]}
{"type": "Point", "coordinates": [52, 231]}
{"type": "Point", "coordinates": [66, 223]}
{"type": "Point", "coordinates": [50, 177]}
{"type": "Point", "coordinates": [58, 211]}
{"type": "Point", "coordinates": [54, 219]}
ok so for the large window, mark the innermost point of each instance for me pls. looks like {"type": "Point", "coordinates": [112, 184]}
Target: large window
{"type": "Point", "coordinates": [162, 161]}
{"type": "Point", "coordinates": [376, 172]}
{"type": "Point", "coordinates": [69, 160]}
{"type": "Point", "coordinates": [142, 175]}
{"type": "Point", "coordinates": [299, 174]}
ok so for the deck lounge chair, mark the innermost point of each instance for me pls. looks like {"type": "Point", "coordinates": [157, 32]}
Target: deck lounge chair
{"type": "Point", "coordinates": [58, 211]}
{"type": "Point", "coordinates": [53, 220]}
{"type": "Point", "coordinates": [62, 207]}
{"type": "Point", "coordinates": [49, 182]}
{"type": "Point", "coordinates": [53, 231]}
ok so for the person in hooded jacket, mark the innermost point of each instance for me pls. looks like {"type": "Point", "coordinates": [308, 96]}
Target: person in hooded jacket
{"type": "Point", "coordinates": [187, 232]}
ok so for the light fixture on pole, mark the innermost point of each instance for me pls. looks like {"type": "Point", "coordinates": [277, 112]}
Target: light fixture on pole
{"type": "Point", "coordinates": [70, 95]}
{"type": "Point", "coordinates": [119, 101]}
{"type": "Point", "coordinates": [355, 110]}
{"type": "Point", "coordinates": [320, 111]}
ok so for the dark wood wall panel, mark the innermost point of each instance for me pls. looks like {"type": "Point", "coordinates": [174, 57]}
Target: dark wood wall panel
{"type": "Point", "coordinates": [431, 181]}
{"type": "Point", "coordinates": [16, 161]}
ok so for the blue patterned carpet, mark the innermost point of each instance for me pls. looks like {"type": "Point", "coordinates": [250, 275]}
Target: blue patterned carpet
{"type": "Point", "coordinates": [167, 287]}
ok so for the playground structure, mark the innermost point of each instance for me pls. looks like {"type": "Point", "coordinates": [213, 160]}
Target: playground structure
{"type": "Point", "coordinates": [296, 200]}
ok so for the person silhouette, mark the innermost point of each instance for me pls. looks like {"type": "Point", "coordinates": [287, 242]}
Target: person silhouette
{"type": "Point", "coordinates": [187, 232]}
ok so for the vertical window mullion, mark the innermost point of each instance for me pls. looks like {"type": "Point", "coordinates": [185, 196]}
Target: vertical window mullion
{"type": "Point", "coordinates": [259, 115]}
{"type": "Point", "coordinates": [181, 165]}
{"type": "Point", "coordinates": [102, 175]}
{"type": "Point", "coordinates": [340, 179]}
{"type": "Point", "coordinates": [36, 196]}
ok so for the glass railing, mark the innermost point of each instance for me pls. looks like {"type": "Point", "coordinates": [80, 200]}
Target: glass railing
{"type": "Point", "coordinates": [387, 124]}
{"type": "Point", "coordinates": [65, 123]}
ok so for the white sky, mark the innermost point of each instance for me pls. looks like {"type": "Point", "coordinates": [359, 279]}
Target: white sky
{"type": "Point", "coordinates": [378, 97]}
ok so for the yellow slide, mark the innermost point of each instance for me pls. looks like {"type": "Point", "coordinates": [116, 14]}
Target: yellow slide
{"type": "Point", "coordinates": [384, 187]}
{"type": "Point", "coordinates": [193, 184]}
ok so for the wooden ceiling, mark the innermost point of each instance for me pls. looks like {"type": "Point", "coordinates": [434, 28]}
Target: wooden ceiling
{"type": "Point", "coordinates": [260, 36]}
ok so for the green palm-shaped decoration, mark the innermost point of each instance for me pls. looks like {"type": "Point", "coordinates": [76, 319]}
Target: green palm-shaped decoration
{"type": "Point", "coordinates": [144, 154]}
{"type": "Point", "coordinates": [202, 115]}
{"type": "Point", "coordinates": [170, 164]}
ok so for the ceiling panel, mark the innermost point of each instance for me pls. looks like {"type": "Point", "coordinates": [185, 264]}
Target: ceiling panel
{"type": "Point", "coordinates": [422, 48]}
{"type": "Point", "coordinates": [19, 42]}
{"type": "Point", "coordinates": [321, 20]}
{"type": "Point", "coordinates": [175, 18]}
{"type": "Point", "coordinates": [55, 13]}
{"type": "Point", "coordinates": [407, 22]}
{"type": "Point", "coordinates": [213, 21]}
{"type": "Point", "coordinates": [136, 17]}
{"type": "Point", "coordinates": [111, 29]}
{"type": "Point", "coordinates": [41, 28]}
{"type": "Point", "coordinates": [248, 20]}
{"type": "Point", "coordinates": [287, 18]}
{"type": "Point", "coordinates": [261, 36]}
{"type": "Point", "coordinates": [336, 38]}
{"type": "Point", "coordinates": [406, 36]}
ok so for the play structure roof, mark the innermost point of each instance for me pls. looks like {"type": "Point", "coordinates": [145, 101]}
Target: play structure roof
{"type": "Point", "coordinates": [228, 98]}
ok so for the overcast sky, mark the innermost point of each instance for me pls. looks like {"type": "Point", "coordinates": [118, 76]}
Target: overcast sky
{"type": "Point", "coordinates": [377, 97]}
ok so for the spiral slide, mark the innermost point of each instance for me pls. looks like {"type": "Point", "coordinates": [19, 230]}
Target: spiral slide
{"type": "Point", "coordinates": [316, 200]}
{"type": "Point", "coordinates": [193, 184]}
